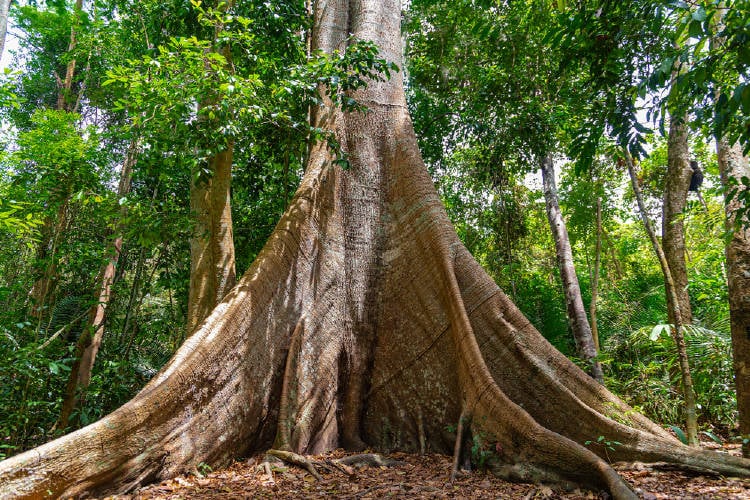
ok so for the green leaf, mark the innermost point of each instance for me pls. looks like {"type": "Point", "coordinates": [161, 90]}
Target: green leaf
{"type": "Point", "coordinates": [699, 14]}
{"type": "Point", "coordinates": [695, 29]}
{"type": "Point", "coordinates": [657, 331]}
{"type": "Point", "coordinates": [680, 434]}
{"type": "Point", "coordinates": [745, 97]}
{"type": "Point", "coordinates": [713, 437]}
{"type": "Point", "coordinates": [666, 65]}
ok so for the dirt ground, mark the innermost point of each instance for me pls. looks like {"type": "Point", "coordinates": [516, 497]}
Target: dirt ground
{"type": "Point", "coordinates": [419, 476]}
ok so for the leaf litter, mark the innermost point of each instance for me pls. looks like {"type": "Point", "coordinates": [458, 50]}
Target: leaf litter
{"type": "Point", "coordinates": [420, 476]}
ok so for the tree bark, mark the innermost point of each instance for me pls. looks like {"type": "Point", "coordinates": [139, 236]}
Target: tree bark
{"type": "Point", "coordinates": [90, 340]}
{"type": "Point", "coordinates": [732, 165]}
{"type": "Point", "coordinates": [64, 101]}
{"type": "Point", "coordinates": [363, 275]}
{"type": "Point", "coordinates": [4, 8]}
{"type": "Point", "coordinates": [676, 186]}
{"type": "Point", "coordinates": [212, 263]}
{"type": "Point", "coordinates": [691, 420]}
{"type": "Point", "coordinates": [579, 324]}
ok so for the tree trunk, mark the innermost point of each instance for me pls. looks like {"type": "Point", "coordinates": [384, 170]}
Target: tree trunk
{"type": "Point", "coordinates": [46, 260]}
{"type": "Point", "coordinates": [4, 8]}
{"type": "Point", "coordinates": [676, 186]}
{"type": "Point", "coordinates": [64, 101]}
{"type": "Point", "coordinates": [595, 274]}
{"type": "Point", "coordinates": [212, 262]}
{"type": "Point", "coordinates": [212, 268]}
{"type": "Point", "coordinates": [90, 340]}
{"type": "Point", "coordinates": [362, 316]}
{"type": "Point", "coordinates": [579, 324]}
{"type": "Point", "coordinates": [691, 420]}
{"type": "Point", "coordinates": [732, 165]}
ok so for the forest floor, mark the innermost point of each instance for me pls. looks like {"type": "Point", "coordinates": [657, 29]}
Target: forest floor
{"type": "Point", "coordinates": [421, 476]}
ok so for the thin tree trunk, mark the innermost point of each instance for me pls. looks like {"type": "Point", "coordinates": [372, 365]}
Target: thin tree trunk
{"type": "Point", "coordinates": [732, 165]}
{"type": "Point", "coordinates": [46, 257]}
{"type": "Point", "coordinates": [579, 324]}
{"type": "Point", "coordinates": [90, 340]}
{"type": "Point", "coordinates": [691, 421]}
{"type": "Point", "coordinates": [595, 274]}
{"type": "Point", "coordinates": [676, 186]}
{"type": "Point", "coordinates": [4, 8]}
{"type": "Point", "coordinates": [44, 285]}
{"type": "Point", "coordinates": [64, 102]}
{"type": "Point", "coordinates": [363, 264]}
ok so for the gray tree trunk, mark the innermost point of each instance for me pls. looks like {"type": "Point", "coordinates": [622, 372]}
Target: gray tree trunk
{"type": "Point", "coordinates": [363, 318]}
{"type": "Point", "coordinates": [4, 8]}
{"type": "Point", "coordinates": [579, 324]}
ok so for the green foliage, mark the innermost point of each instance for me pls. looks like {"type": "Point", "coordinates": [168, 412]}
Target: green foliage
{"type": "Point", "coordinates": [644, 367]}
{"type": "Point", "coordinates": [604, 444]}
{"type": "Point", "coordinates": [13, 222]}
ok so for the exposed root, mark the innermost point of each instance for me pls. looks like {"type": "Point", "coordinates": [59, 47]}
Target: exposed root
{"type": "Point", "coordinates": [420, 431]}
{"type": "Point", "coordinates": [298, 460]}
{"type": "Point", "coordinates": [463, 422]}
{"type": "Point", "coordinates": [284, 433]}
{"type": "Point", "coordinates": [337, 464]}
{"type": "Point", "coordinates": [370, 459]}
{"type": "Point", "coordinates": [269, 472]}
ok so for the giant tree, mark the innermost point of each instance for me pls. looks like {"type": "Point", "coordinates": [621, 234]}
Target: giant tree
{"type": "Point", "coordinates": [364, 320]}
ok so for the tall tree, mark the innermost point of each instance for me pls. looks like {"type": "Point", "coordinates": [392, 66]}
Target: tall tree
{"type": "Point", "coordinates": [363, 319]}
{"type": "Point", "coordinates": [676, 186]}
{"type": "Point", "coordinates": [733, 168]}
{"type": "Point", "coordinates": [212, 262]}
{"type": "Point", "coordinates": [579, 323]}
{"type": "Point", "coordinates": [677, 329]}
{"type": "Point", "coordinates": [56, 225]}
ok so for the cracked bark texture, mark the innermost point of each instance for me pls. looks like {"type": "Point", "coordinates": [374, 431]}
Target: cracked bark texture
{"type": "Point", "coordinates": [363, 320]}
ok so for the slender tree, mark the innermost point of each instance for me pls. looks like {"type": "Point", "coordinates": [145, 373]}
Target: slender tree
{"type": "Point", "coordinates": [4, 9]}
{"type": "Point", "coordinates": [691, 415]}
{"type": "Point", "coordinates": [91, 337]}
{"type": "Point", "coordinates": [579, 323]}
{"type": "Point", "coordinates": [363, 320]}
{"type": "Point", "coordinates": [595, 273]}
{"type": "Point", "coordinates": [676, 186]}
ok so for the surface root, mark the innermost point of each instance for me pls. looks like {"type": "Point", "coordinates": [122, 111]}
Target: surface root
{"type": "Point", "coordinates": [298, 460]}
